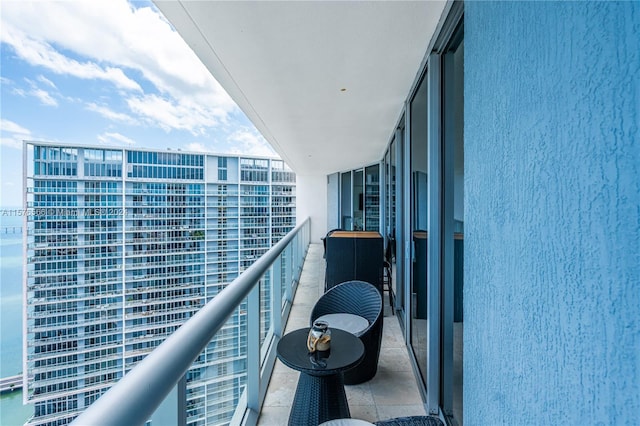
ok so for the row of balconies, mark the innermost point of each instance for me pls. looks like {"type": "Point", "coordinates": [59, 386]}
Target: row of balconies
{"type": "Point", "coordinates": [47, 258]}
{"type": "Point", "coordinates": [78, 335]}
{"type": "Point", "coordinates": [192, 298]}
{"type": "Point", "coordinates": [142, 327]}
{"type": "Point", "coordinates": [187, 261]}
{"type": "Point", "coordinates": [165, 216]}
{"type": "Point", "coordinates": [102, 268]}
{"type": "Point", "coordinates": [78, 297]}
{"type": "Point", "coordinates": [79, 362]}
{"type": "Point", "coordinates": [32, 189]}
{"type": "Point", "coordinates": [162, 287]}
{"type": "Point", "coordinates": [165, 207]}
{"type": "Point", "coordinates": [183, 274]}
{"type": "Point", "coordinates": [162, 227]}
{"type": "Point", "coordinates": [231, 214]}
{"type": "Point", "coordinates": [58, 271]}
{"type": "Point", "coordinates": [78, 311]}
{"type": "Point", "coordinates": [168, 303]}
{"type": "Point", "coordinates": [32, 328]}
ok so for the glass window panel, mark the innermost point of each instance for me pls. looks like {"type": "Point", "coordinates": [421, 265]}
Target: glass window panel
{"type": "Point", "coordinates": [419, 228]}
{"type": "Point", "coordinates": [372, 198]}
{"type": "Point", "coordinates": [345, 201]}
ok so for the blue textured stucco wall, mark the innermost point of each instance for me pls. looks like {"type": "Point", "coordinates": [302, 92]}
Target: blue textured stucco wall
{"type": "Point", "coordinates": [552, 230]}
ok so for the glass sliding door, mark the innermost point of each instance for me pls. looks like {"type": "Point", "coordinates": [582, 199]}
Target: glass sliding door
{"type": "Point", "coordinates": [372, 198]}
{"type": "Point", "coordinates": [358, 200]}
{"type": "Point", "coordinates": [418, 224]}
{"type": "Point", "coordinates": [453, 227]}
{"type": "Point", "coordinates": [393, 171]}
{"type": "Point", "coordinates": [345, 201]}
{"type": "Point", "coordinates": [387, 195]}
{"type": "Point", "coordinates": [396, 227]}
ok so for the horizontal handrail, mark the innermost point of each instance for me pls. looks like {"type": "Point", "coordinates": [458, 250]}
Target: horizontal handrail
{"type": "Point", "coordinates": [134, 399]}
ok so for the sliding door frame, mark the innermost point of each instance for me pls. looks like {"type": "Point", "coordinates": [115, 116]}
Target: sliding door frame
{"type": "Point", "coordinates": [433, 391]}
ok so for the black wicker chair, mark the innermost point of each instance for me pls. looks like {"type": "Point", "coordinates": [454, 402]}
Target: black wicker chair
{"type": "Point", "coordinates": [412, 421]}
{"type": "Point", "coordinates": [363, 299]}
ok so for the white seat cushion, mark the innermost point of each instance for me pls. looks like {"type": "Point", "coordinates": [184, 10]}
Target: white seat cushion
{"type": "Point", "coordinates": [346, 422]}
{"type": "Point", "coordinates": [354, 324]}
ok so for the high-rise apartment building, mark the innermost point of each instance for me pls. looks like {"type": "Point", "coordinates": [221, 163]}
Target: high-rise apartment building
{"type": "Point", "coordinates": [125, 245]}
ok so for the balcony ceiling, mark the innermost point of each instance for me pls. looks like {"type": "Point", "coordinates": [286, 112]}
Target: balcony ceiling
{"type": "Point", "coordinates": [324, 82]}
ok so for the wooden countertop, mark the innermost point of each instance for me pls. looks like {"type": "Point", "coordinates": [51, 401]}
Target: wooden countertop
{"type": "Point", "coordinates": [422, 235]}
{"type": "Point", "coordinates": [355, 234]}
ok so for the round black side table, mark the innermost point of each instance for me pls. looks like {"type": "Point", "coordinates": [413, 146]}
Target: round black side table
{"type": "Point", "coordinates": [320, 394]}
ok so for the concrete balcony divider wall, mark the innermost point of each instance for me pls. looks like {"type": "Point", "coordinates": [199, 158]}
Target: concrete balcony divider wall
{"type": "Point", "coordinates": [552, 172]}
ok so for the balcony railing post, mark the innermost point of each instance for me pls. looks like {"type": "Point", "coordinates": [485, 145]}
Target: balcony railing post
{"type": "Point", "coordinates": [276, 296]}
{"type": "Point", "coordinates": [288, 275]}
{"type": "Point", "coordinates": [253, 348]}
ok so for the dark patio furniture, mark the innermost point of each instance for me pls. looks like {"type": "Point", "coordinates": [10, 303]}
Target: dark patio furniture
{"type": "Point", "coordinates": [412, 421]}
{"type": "Point", "coordinates": [320, 394]}
{"type": "Point", "coordinates": [362, 299]}
{"type": "Point", "coordinates": [324, 241]}
{"type": "Point", "coordinates": [354, 255]}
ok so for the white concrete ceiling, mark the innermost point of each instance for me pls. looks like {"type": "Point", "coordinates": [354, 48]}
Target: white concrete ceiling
{"type": "Point", "coordinates": [323, 81]}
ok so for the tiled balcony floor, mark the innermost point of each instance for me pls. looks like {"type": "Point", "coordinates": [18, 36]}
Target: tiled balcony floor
{"type": "Point", "coordinates": [391, 393]}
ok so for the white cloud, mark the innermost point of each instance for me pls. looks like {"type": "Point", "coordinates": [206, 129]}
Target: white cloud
{"type": "Point", "coordinates": [46, 81]}
{"type": "Point", "coordinates": [111, 138]}
{"type": "Point", "coordinates": [12, 134]}
{"type": "Point", "coordinates": [197, 147]}
{"type": "Point", "coordinates": [110, 114]}
{"type": "Point", "coordinates": [37, 52]}
{"type": "Point", "coordinates": [19, 92]}
{"type": "Point", "coordinates": [10, 142]}
{"type": "Point", "coordinates": [119, 43]}
{"type": "Point", "coordinates": [11, 127]}
{"type": "Point", "coordinates": [44, 97]}
{"type": "Point", "coordinates": [169, 114]}
{"type": "Point", "coordinates": [249, 142]}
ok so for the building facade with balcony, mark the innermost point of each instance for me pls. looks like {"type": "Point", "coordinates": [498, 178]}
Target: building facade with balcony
{"type": "Point", "coordinates": [506, 138]}
{"type": "Point", "coordinates": [122, 247]}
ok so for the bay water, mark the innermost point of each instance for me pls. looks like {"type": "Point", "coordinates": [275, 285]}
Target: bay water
{"type": "Point", "coordinates": [12, 412]}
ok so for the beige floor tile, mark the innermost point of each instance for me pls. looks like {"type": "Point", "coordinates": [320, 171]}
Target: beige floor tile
{"type": "Point", "coordinates": [359, 394]}
{"type": "Point", "coordinates": [395, 388]}
{"type": "Point", "coordinates": [274, 416]}
{"type": "Point", "coordinates": [282, 388]}
{"type": "Point", "coordinates": [394, 359]}
{"type": "Point", "coordinates": [364, 412]}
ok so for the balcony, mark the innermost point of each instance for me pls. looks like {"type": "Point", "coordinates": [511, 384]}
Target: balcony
{"type": "Point", "coordinates": [391, 393]}
{"type": "Point", "coordinates": [296, 275]}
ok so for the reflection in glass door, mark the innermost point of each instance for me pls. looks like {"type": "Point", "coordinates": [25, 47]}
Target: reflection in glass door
{"type": "Point", "coordinates": [387, 195]}
{"type": "Point", "coordinates": [372, 198]}
{"type": "Point", "coordinates": [345, 201]}
{"type": "Point", "coordinates": [453, 228]}
{"type": "Point", "coordinates": [393, 170]}
{"type": "Point", "coordinates": [392, 226]}
{"type": "Point", "coordinates": [419, 225]}
{"type": "Point", "coordinates": [358, 200]}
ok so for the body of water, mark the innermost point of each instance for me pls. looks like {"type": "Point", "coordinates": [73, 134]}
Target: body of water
{"type": "Point", "coordinates": [12, 412]}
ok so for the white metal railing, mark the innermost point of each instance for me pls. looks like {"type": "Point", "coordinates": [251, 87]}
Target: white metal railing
{"type": "Point", "coordinates": [135, 398]}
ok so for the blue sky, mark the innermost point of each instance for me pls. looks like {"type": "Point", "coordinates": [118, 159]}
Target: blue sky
{"type": "Point", "coordinates": [107, 72]}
